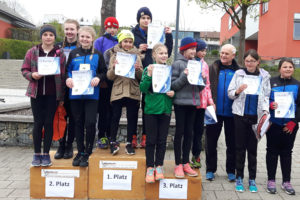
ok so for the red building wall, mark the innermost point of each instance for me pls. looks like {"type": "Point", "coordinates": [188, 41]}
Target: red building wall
{"type": "Point", "coordinates": [225, 33]}
{"type": "Point", "coordinates": [250, 44]}
{"type": "Point", "coordinates": [4, 26]}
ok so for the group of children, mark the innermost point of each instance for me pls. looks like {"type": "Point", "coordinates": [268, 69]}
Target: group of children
{"type": "Point", "coordinates": [82, 51]}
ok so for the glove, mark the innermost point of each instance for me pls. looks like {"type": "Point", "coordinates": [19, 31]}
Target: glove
{"type": "Point", "coordinates": [290, 126]}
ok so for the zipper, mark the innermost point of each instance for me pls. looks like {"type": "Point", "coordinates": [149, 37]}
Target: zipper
{"type": "Point", "coordinates": [44, 81]}
{"type": "Point", "coordinates": [224, 91]}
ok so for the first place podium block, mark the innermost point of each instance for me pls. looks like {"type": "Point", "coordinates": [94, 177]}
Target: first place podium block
{"type": "Point", "coordinates": [172, 188]}
{"type": "Point", "coordinates": [120, 176]}
{"type": "Point", "coordinates": [59, 181]}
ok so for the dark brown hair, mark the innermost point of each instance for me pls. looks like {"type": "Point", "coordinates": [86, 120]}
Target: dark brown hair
{"type": "Point", "coordinates": [253, 53]}
{"type": "Point", "coordinates": [285, 59]}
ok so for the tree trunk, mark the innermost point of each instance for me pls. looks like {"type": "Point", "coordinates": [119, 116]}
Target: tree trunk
{"type": "Point", "coordinates": [108, 9]}
{"type": "Point", "coordinates": [241, 49]}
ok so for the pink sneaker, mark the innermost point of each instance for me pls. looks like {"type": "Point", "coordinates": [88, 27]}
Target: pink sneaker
{"type": "Point", "coordinates": [178, 171]}
{"type": "Point", "coordinates": [188, 170]}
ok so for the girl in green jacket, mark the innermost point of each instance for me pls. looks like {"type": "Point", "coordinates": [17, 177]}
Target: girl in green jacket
{"type": "Point", "coordinates": [158, 108]}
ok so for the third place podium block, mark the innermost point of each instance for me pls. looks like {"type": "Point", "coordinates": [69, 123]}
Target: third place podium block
{"type": "Point", "coordinates": [120, 176]}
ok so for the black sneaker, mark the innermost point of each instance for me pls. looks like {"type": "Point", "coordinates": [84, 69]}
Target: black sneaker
{"type": "Point", "coordinates": [114, 148]}
{"type": "Point", "coordinates": [84, 162]}
{"type": "Point", "coordinates": [60, 152]}
{"type": "Point", "coordinates": [68, 152]}
{"type": "Point", "coordinates": [77, 160]}
{"type": "Point", "coordinates": [129, 149]}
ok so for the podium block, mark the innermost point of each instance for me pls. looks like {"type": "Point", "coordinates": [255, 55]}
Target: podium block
{"type": "Point", "coordinates": [194, 185]}
{"type": "Point", "coordinates": [62, 178]}
{"type": "Point", "coordinates": [123, 175]}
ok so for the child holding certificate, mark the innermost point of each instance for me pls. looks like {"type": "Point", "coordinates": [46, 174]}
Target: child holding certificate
{"type": "Point", "coordinates": [107, 41]}
{"type": "Point", "coordinates": [85, 69]}
{"type": "Point", "coordinates": [185, 101]}
{"type": "Point", "coordinates": [206, 100]}
{"type": "Point", "coordinates": [44, 91]}
{"type": "Point", "coordinates": [65, 149]}
{"type": "Point", "coordinates": [158, 108]}
{"type": "Point", "coordinates": [285, 115]}
{"type": "Point", "coordinates": [140, 32]}
{"type": "Point", "coordinates": [125, 91]}
{"type": "Point", "coordinates": [248, 107]}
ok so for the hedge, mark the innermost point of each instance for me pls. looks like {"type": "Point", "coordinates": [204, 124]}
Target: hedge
{"type": "Point", "coordinates": [16, 48]}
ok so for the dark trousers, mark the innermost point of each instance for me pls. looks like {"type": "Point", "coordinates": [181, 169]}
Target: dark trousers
{"type": "Point", "coordinates": [157, 127]}
{"type": "Point", "coordinates": [198, 132]}
{"type": "Point", "coordinates": [132, 108]}
{"type": "Point", "coordinates": [185, 116]}
{"type": "Point", "coordinates": [43, 110]}
{"type": "Point", "coordinates": [84, 113]}
{"type": "Point", "coordinates": [69, 135]}
{"type": "Point", "coordinates": [213, 132]}
{"type": "Point", "coordinates": [245, 140]}
{"type": "Point", "coordinates": [280, 143]}
{"type": "Point", "coordinates": [104, 109]}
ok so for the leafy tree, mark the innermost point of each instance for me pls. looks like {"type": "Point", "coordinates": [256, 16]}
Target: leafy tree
{"type": "Point", "coordinates": [233, 9]}
{"type": "Point", "coordinates": [108, 9]}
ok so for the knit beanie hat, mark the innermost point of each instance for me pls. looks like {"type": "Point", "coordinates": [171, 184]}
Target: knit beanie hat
{"type": "Point", "coordinates": [48, 28]}
{"type": "Point", "coordinates": [143, 11]}
{"type": "Point", "coordinates": [201, 45]}
{"type": "Point", "coordinates": [186, 43]}
{"type": "Point", "coordinates": [124, 34]}
{"type": "Point", "coordinates": [111, 22]}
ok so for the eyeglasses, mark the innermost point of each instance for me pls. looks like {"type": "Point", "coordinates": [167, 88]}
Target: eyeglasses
{"type": "Point", "coordinates": [250, 61]}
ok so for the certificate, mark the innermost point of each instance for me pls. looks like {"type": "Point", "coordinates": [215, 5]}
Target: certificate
{"type": "Point", "coordinates": [286, 105]}
{"type": "Point", "coordinates": [194, 76]}
{"type": "Point", "coordinates": [253, 84]}
{"type": "Point", "coordinates": [210, 115]}
{"type": "Point", "coordinates": [161, 78]}
{"type": "Point", "coordinates": [48, 65]}
{"type": "Point", "coordinates": [82, 82]}
{"type": "Point", "coordinates": [125, 65]}
{"type": "Point", "coordinates": [155, 35]}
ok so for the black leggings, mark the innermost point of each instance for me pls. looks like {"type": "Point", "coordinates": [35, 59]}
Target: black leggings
{"type": "Point", "coordinates": [43, 110]}
{"type": "Point", "coordinates": [157, 127]}
{"type": "Point", "coordinates": [84, 111]}
{"type": "Point", "coordinates": [105, 110]}
{"type": "Point", "coordinates": [185, 116]}
{"type": "Point", "coordinates": [198, 132]}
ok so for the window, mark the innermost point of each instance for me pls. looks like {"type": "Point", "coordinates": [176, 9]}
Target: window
{"type": "Point", "coordinates": [265, 7]}
{"type": "Point", "coordinates": [296, 26]}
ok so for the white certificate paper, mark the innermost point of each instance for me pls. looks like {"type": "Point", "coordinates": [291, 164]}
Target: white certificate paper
{"type": "Point", "coordinates": [82, 82]}
{"type": "Point", "coordinates": [161, 78]}
{"type": "Point", "coordinates": [253, 84]}
{"type": "Point", "coordinates": [67, 53]}
{"type": "Point", "coordinates": [48, 65]}
{"type": "Point", "coordinates": [210, 116]}
{"type": "Point", "coordinates": [286, 105]}
{"type": "Point", "coordinates": [194, 72]}
{"type": "Point", "coordinates": [155, 35]}
{"type": "Point", "coordinates": [117, 179]}
{"type": "Point", "coordinates": [125, 65]}
{"type": "Point", "coordinates": [59, 187]}
{"type": "Point", "coordinates": [173, 189]}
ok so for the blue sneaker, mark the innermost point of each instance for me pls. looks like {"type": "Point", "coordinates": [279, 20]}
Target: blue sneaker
{"type": "Point", "coordinates": [46, 161]}
{"type": "Point", "coordinates": [210, 176]}
{"type": "Point", "coordinates": [36, 162]}
{"type": "Point", "coordinates": [103, 143]}
{"type": "Point", "coordinates": [239, 186]}
{"type": "Point", "coordinates": [231, 177]}
{"type": "Point", "coordinates": [252, 186]}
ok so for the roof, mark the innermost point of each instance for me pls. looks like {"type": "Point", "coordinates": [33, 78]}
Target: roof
{"type": "Point", "coordinates": [16, 19]}
{"type": "Point", "coordinates": [209, 34]}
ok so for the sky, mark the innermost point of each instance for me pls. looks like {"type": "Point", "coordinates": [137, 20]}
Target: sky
{"type": "Point", "coordinates": [192, 17]}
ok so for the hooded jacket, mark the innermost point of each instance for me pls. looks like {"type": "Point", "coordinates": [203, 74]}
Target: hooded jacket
{"type": "Point", "coordinates": [105, 42]}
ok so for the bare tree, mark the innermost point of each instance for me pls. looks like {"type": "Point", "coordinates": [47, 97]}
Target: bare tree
{"type": "Point", "coordinates": [108, 9]}
{"type": "Point", "coordinates": [18, 8]}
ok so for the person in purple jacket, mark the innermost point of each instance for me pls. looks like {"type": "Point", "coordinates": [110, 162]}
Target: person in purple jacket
{"type": "Point", "coordinates": [107, 41]}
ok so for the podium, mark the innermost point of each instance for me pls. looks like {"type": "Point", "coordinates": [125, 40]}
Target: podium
{"type": "Point", "coordinates": [123, 175]}
{"type": "Point", "coordinates": [171, 184]}
{"type": "Point", "coordinates": [48, 182]}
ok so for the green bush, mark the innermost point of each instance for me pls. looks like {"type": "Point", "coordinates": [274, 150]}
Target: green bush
{"type": "Point", "coordinates": [16, 48]}
{"type": "Point", "coordinates": [214, 52]}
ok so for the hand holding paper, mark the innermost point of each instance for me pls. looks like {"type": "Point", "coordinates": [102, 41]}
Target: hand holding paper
{"type": "Point", "coordinates": [69, 83]}
{"type": "Point", "coordinates": [36, 76]}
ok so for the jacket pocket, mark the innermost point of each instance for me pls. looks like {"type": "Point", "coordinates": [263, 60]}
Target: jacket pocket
{"type": "Point", "coordinates": [118, 88]}
{"type": "Point", "coordinates": [134, 88]}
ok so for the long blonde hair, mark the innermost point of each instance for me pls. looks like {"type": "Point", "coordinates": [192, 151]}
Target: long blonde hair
{"type": "Point", "coordinates": [91, 31]}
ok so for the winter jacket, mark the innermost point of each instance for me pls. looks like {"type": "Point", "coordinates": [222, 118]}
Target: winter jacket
{"type": "Point", "coordinates": [185, 93]}
{"type": "Point", "coordinates": [85, 56]}
{"type": "Point", "coordinates": [123, 86]}
{"type": "Point", "coordinates": [30, 65]}
{"type": "Point", "coordinates": [140, 37]}
{"type": "Point", "coordinates": [105, 42]}
{"type": "Point", "coordinates": [67, 45]}
{"type": "Point", "coordinates": [240, 101]}
{"type": "Point", "coordinates": [205, 94]}
{"type": "Point", "coordinates": [285, 85]}
{"type": "Point", "coordinates": [155, 103]}
{"type": "Point", "coordinates": [220, 77]}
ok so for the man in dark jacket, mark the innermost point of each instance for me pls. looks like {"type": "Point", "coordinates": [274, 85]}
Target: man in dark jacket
{"type": "Point", "coordinates": [144, 18]}
{"type": "Point", "coordinates": [220, 74]}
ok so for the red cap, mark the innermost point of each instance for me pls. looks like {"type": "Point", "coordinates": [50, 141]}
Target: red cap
{"type": "Point", "coordinates": [111, 22]}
